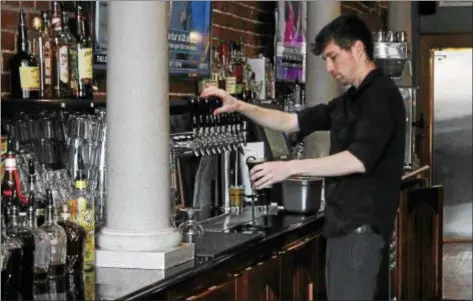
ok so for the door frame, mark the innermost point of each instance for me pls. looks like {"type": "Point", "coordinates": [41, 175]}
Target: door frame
{"type": "Point", "coordinates": [425, 101]}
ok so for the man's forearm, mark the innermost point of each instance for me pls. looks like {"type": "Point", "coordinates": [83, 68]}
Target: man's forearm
{"type": "Point", "coordinates": [268, 118]}
{"type": "Point", "coordinates": [340, 164]}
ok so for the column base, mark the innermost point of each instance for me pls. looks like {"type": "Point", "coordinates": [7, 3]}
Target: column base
{"type": "Point", "coordinates": [138, 240]}
{"type": "Point", "coordinates": [141, 249]}
{"type": "Point", "coordinates": [158, 260]}
{"type": "Point", "coordinates": [114, 283]}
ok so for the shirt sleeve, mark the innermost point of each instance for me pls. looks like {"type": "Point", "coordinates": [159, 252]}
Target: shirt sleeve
{"type": "Point", "coordinates": [373, 130]}
{"type": "Point", "coordinates": [316, 118]}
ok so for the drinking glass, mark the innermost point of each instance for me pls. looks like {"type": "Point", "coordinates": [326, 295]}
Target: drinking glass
{"type": "Point", "coordinates": [190, 229]}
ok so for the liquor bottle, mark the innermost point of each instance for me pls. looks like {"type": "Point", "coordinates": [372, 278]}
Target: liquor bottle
{"type": "Point", "coordinates": [11, 179]}
{"type": "Point", "coordinates": [84, 57]}
{"type": "Point", "coordinates": [58, 239]}
{"type": "Point", "coordinates": [24, 70]}
{"type": "Point", "coordinates": [75, 287]}
{"type": "Point", "coordinates": [45, 45]}
{"type": "Point", "coordinates": [20, 207]}
{"type": "Point", "coordinates": [84, 214]}
{"type": "Point", "coordinates": [76, 236]}
{"type": "Point", "coordinates": [72, 53]}
{"type": "Point", "coordinates": [11, 277]}
{"type": "Point", "coordinates": [42, 251]}
{"type": "Point", "coordinates": [62, 85]}
{"type": "Point", "coordinates": [19, 231]}
{"type": "Point", "coordinates": [33, 186]}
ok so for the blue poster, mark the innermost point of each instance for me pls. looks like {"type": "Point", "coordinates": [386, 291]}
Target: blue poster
{"type": "Point", "coordinates": [189, 38]}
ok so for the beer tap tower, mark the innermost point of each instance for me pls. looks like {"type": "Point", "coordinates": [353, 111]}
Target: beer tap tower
{"type": "Point", "coordinates": [211, 135]}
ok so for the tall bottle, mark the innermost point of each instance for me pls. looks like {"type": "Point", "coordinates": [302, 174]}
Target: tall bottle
{"type": "Point", "coordinates": [58, 239]}
{"type": "Point", "coordinates": [76, 236]}
{"type": "Point", "coordinates": [19, 231]}
{"type": "Point", "coordinates": [62, 85]}
{"type": "Point", "coordinates": [11, 277]}
{"type": "Point", "coordinates": [45, 45]}
{"type": "Point", "coordinates": [42, 251]}
{"type": "Point", "coordinates": [40, 200]}
{"type": "Point", "coordinates": [84, 214]}
{"type": "Point", "coordinates": [84, 57]}
{"type": "Point", "coordinates": [72, 54]}
{"type": "Point", "coordinates": [24, 69]}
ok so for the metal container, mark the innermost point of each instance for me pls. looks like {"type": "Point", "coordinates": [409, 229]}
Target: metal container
{"type": "Point", "coordinates": [302, 194]}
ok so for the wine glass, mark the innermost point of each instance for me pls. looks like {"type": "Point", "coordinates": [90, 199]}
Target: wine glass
{"type": "Point", "coordinates": [190, 229]}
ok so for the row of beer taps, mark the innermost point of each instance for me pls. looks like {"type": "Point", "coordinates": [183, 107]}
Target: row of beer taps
{"type": "Point", "coordinates": [211, 134]}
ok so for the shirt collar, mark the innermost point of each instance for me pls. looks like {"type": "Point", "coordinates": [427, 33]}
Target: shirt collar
{"type": "Point", "coordinates": [365, 83]}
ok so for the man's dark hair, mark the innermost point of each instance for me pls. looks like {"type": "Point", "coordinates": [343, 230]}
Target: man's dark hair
{"type": "Point", "coordinates": [344, 31]}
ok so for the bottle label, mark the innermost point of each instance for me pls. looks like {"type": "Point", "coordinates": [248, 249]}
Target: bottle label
{"type": "Point", "coordinates": [215, 77]}
{"type": "Point", "coordinates": [81, 205]}
{"type": "Point", "coordinates": [231, 84]}
{"type": "Point", "coordinates": [47, 63]}
{"type": "Point", "coordinates": [81, 184]}
{"type": "Point", "coordinates": [86, 219]}
{"type": "Point", "coordinates": [63, 64]}
{"type": "Point", "coordinates": [29, 78]}
{"type": "Point", "coordinates": [86, 70]}
{"type": "Point", "coordinates": [10, 164]}
{"type": "Point", "coordinates": [73, 69]}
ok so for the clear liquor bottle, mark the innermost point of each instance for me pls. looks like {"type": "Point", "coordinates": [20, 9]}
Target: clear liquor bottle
{"type": "Point", "coordinates": [11, 277]}
{"type": "Point", "coordinates": [42, 252]}
{"type": "Point", "coordinates": [76, 236]}
{"type": "Point", "coordinates": [18, 231]}
{"type": "Point", "coordinates": [57, 237]}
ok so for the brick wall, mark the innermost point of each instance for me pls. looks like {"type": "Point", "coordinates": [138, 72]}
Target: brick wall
{"type": "Point", "coordinates": [252, 20]}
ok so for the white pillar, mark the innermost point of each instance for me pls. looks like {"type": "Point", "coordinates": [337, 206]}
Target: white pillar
{"type": "Point", "coordinates": [138, 206]}
{"type": "Point", "coordinates": [321, 87]}
{"type": "Point", "coordinates": [400, 19]}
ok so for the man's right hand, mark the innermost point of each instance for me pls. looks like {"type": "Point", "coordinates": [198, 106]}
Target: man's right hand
{"type": "Point", "coordinates": [229, 103]}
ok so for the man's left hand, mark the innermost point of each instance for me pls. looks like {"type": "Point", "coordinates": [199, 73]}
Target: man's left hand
{"type": "Point", "coordinates": [266, 174]}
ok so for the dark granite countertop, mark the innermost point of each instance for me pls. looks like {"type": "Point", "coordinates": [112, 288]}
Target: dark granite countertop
{"type": "Point", "coordinates": [134, 284]}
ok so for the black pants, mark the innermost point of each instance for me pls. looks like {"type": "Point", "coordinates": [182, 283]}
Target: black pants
{"type": "Point", "coordinates": [352, 266]}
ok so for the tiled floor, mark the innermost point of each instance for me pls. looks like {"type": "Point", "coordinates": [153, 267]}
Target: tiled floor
{"type": "Point", "coordinates": [457, 271]}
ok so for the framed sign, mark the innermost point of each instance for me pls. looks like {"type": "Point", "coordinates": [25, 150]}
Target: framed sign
{"type": "Point", "coordinates": [189, 25]}
{"type": "Point", "coordinates": [291, 36]}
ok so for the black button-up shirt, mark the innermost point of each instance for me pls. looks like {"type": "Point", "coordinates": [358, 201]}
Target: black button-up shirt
{"type": "Point", "coordinates": [369, 122]}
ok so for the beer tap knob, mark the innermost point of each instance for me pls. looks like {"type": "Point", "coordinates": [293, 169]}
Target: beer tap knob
{"type": "Point", "coordinates": [193, 112]}
{"type": "Point", "coordinates": [208, 112]}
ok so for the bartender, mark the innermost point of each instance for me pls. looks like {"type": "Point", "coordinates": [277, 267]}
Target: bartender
{"type": "Point", "coordinates": [364, 168]}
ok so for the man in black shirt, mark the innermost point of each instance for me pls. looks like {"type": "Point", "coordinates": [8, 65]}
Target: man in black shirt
{"type": "Point", "coordinates": [364, 168]}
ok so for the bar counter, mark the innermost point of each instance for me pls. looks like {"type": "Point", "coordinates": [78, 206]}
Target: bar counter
{"type": "Point", "coordinates": [286, 261]}
{"type": "Point", "coordinates": [195, 278]}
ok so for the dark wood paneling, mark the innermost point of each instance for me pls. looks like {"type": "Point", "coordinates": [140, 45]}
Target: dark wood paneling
{"type": "Point", "coordinates": [419, 234]}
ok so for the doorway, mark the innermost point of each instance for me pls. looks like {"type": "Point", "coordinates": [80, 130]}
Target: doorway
{"type": "Point", "coordinates": [452, 138]}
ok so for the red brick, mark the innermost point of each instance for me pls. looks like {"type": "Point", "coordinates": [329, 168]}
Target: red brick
{"type": "Point", "coordinates": [11, 3]}
{"type": "Point", "coordinates": [29, 4]}
{"type": "Point", "coordinates": [9, 19]}
{"type": "Point", "coordinates": [5, 82]}
{"type": "Point", "coordinates": [43, 4]}
{"type": "Point", "coordinates": [8, 40]}
{"type": "Point", "coordinates": [5, 61]}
